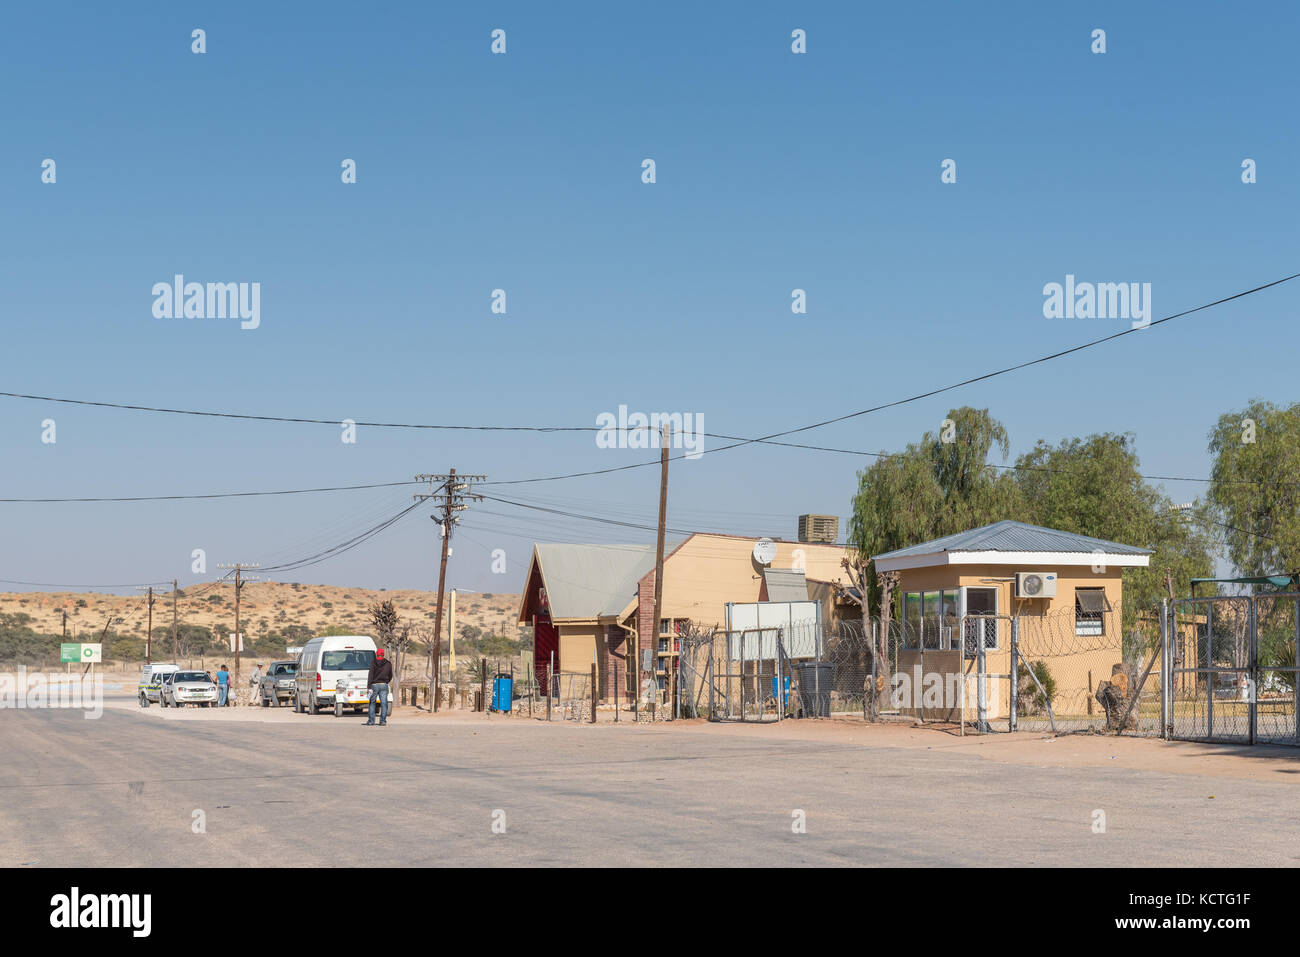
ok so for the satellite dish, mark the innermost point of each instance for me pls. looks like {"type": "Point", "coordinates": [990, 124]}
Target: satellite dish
{"type": "Point", "coordinates": [765, 551]}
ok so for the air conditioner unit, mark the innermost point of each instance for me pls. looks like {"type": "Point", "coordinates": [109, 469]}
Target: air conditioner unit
{"type": "Point", "coordinates": [1035, 584]}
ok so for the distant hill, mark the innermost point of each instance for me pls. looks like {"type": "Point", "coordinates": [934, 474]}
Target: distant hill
{"type": "Point", "coordinates": [265, 608]}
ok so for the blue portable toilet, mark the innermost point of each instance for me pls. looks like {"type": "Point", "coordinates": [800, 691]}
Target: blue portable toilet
{"type": "Point", "coordinates": [502, 692]}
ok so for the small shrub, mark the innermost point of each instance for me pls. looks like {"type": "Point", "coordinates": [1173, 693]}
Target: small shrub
{"type": "Point", "coordinates": [1031, 700]}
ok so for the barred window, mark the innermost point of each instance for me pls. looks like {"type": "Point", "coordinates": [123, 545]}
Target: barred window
{"type": "Point", "coordinates": [1090, 607]}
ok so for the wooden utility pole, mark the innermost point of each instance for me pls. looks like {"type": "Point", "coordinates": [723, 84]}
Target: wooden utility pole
{"type": "Point", "coordinates": [659, 561]}
{"type": "Point", "coordinates": [240, 582]}
{"type": "Point", "coordinates": [175, 652]}
{"type": "Point", "coordinates": [148, 634]}
{"type": "Point", "coordinates": [451, 494]}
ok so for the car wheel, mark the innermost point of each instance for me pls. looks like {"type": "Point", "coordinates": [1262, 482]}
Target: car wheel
{"type": "Point", "coordinates": [144, 702]}
{"type": "Point", "coordinates": [312, 706]}
{"type": "Point", "coordinates": [265, 703]}
{"type": "Point", "coordinates": [275, 701]}
{"type": "Point", "coordinates": [338, 709]}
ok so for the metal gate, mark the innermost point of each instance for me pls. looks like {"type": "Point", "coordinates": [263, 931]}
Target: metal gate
{"type": "Point", "coordinates": [734, 676]}
{"type": "Point", "coordinates": [1231, 669]}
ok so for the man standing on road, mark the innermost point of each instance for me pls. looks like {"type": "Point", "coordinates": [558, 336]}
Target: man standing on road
{"type": "Point", "coordinates": [223, 687]}
{"type": "Point", "coordinates": [381, 673]}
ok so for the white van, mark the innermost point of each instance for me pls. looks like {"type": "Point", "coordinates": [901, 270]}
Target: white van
{"type": "Point", "coordinates": [328, 663]}
{"type": "Point", "coordinates": [151, 678]}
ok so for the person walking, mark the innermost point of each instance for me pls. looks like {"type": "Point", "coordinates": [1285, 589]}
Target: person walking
{"type": "Point", "coordinates": [381, 673]}
{"type": "Point", "coordinates": [223, 687]}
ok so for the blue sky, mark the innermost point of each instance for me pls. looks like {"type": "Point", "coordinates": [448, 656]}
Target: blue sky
{"type": "Point", "coordinates": [522, 172]}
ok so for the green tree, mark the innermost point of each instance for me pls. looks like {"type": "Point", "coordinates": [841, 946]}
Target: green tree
{"type": "Point", "coordinates": [1254, 490]}
{"type": "Point", "coordinates": [1093, 486]}
{"type": "Point", "coordinates": [938, 486]}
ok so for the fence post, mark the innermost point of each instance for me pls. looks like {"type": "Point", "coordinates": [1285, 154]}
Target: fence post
{"type": "Point", "coordinates": [1252, 708]}
{"type": "Point", "coordinates": [981, 684]}
{"type": "Point", "coordinates": [1165, 675]}
{"type": "Point", "coordinates": [961, 678]}
{"type": "Point", "coordinates": [742, 673]}
{"type": "Point", "coordinates": [871, 676]}
{"type": "Point", "coordinates": [1015, 671]}
{"type": "Point", "coordinates": [593, 692]}
{"type": "Point", "coordinates": [817, 686]}
{"type": "Point", "coordinates": [711, 671]}
{"type": "Point", "coordinates": [779, 680]}
{"type": "Point", "coordinates": [618, 695]}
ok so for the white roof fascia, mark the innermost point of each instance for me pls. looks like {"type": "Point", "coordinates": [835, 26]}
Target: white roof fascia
{"type": "Point", "coordinates": [1024, 559]}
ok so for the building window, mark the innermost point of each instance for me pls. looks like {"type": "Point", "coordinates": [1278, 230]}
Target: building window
{"type": "Point", "coordinates": [928, 619]}
{"type": "Point", "coordinates": [981, 620]}
{"type": "Point", "coordinates": [1090, 607]}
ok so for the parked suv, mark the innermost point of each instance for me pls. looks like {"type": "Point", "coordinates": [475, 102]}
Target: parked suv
{"type": "Point", "coordinates": [189, 687]}
{"type": "Point", "coordinates": [277, 684]}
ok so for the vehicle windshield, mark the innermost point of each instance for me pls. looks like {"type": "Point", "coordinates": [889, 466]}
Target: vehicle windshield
{"type": "Point", "coordinates": [284, 670]}
{"type": "Point", "coordinates": [191, 676]}
{"type": "Point", "coordinates": [355, 660]}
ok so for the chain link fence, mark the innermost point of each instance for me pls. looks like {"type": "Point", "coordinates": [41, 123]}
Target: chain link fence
{"type": "Point", "coordinates": [1061, 672]}
{"type": "Point", "coordinates": [1233, 669]}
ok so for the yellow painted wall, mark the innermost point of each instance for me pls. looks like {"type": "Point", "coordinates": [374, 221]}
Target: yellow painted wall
{"type": "Point", "coordinates": [577, 645]}
{"type": "Point", "coordinates": [1073, 660]}
{"type": "Point", "coordinates": [711, 570]}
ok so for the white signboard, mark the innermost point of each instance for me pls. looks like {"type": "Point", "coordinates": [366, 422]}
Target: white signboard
{"type": "Point", "coordinates": [236, 641]}
{"type": "Point", "coordinates": [799, 623]}
{"type": "Point", "coordinates": [92, 652]}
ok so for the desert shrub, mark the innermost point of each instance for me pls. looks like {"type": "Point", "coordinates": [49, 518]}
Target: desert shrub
{"type": "Point", "coordinates": [1031, 700]}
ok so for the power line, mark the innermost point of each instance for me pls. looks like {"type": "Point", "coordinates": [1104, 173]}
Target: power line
{"type": "Point", "coordinates": [767, 439]}
{"type": "Point", "coordinates": [10, 581]}
{"type": "Point", "coordinates": [336, 550]}
{"type": "Point", "coordinates": [166, 498]}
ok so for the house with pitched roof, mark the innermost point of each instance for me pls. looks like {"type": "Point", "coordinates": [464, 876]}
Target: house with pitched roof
{"type": "Point", "coordinates": [1066, 589]}
{"type": "Point", "coordinates": [591, 602]}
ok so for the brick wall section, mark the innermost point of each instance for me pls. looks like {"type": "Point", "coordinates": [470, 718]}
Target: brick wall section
{"type": "Point", "coordinates": [647, 627]}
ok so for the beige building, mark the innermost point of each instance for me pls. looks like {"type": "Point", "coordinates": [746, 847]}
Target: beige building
{"type": "Point", "coordinates": [1067, 590]}
{"type": "Point", "coordinates": [596, 602]}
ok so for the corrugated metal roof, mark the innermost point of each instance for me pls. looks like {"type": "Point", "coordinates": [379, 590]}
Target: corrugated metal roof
{"type": "Point", "coordinates": [589, 581]}
{"type": "Point", "coordinates": [785, 584]}
{"type": "Point", "coordinates": [1009, 536]}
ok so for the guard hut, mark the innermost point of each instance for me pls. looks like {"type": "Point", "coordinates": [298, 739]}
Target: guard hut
{"type": "Point", "coordinates": [1066, 589]}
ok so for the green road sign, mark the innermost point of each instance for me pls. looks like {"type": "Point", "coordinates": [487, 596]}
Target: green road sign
{"type": "Point", "coordinates": [70, 651]}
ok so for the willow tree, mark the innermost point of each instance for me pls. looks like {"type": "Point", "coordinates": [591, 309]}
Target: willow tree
{"type": "Point", "coordinates": [938, 486]}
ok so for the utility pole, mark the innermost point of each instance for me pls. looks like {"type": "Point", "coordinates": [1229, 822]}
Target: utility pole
{"type": "Point", "coordinates": [451, 493]}
{"type": "Point", "coordinates": [148, 635]}
{"type": "Point", "coordinates": [659, 561]}
{"type": "Point", "coordinates": [175, 653]}
{"type": "Point", "coordinates": [240, 582]}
